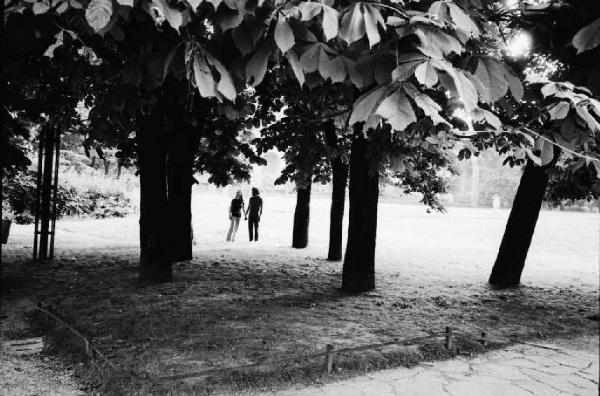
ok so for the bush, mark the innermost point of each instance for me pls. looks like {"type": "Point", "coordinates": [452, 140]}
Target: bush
{"type": "Point", "coordinates": [86, 201]}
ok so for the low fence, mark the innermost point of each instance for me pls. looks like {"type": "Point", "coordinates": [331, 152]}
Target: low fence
{"type": "Point", "coordinates": [329, 353]}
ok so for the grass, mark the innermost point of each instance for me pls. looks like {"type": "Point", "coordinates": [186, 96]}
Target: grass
{"type": "Point", "coordinates": [242, 303]}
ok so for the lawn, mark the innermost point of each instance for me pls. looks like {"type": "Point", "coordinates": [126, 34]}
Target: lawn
{"type": "Point", "coordinates": [239, 303]}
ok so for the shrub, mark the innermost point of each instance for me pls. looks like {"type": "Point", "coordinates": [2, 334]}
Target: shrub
{"type": "Point", "coordinates": [20, 195]}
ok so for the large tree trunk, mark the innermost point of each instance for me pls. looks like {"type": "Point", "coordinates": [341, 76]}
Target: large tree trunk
{"type": "Point", "coordinates": [155, 260]}
{"type": "Point", "coordinates": [301, 217]}
{"type": "Point", "coordinates": [339, 171]}
{"type": "Point", "coordinates": [520, 227]}
{"type": "Point", "coordinates": [179, 176]}
{"type": "Point", "coordinates": [359, 263]}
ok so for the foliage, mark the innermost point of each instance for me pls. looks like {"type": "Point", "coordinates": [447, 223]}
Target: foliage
{"type": "Point", "coordinates": [408, 161]}
{"type": "Point", "coordinates": [569, 186]}
{"type": "Point", "coordinates": [397, 62]}
{"type": "Point", "coordinates": [296, 125]}
{"type": "Point", "coordinates": [13, 144]}
{"type": "Point", "coordinates": [588, 37]}
{"type": "Point", "coordinates": [20, 199]}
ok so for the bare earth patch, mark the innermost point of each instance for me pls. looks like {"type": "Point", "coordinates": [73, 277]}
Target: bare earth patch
{"type": "Point", "coordinates": [29, 374]}
{"type": "Point", "coordinates": [242, 303]}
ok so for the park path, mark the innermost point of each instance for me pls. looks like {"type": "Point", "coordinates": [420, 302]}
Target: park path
{"type": "Point", "coordinates": [544, 370]}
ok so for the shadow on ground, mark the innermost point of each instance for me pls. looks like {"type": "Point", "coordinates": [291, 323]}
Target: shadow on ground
{"type": "Point", "coordinates": [224, 310]}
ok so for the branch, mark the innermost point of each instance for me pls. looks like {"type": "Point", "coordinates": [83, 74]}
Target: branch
{"type": "Point", "coordinates": [399, 12]}
{"type": "Point", "coordinates": [538, 135]}
{"type": "Point", "coordinates": [565, 149]}
{"type": "Point", "coordinates": [323, 117]}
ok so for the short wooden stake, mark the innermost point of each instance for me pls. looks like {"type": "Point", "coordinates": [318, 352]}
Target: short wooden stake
{"type": "Point", "coordinates": [483, 340]}
{"type": "Point", "coordinates": [88, 350]}
{"type": "Point", "coordinates": [329, 358]}
{"type": "Point", "coordinates": [448, 338]}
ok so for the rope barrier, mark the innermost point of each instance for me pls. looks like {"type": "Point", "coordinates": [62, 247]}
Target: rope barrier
{"type": "Point", "coordinates": [329, 353]}
{"type": "Point", "coordinates": [89, 347]}
{"type": "Point", "coordinates": [449, 334]}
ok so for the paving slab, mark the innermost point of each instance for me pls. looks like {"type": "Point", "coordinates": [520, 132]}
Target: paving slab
{"type": "Point", "coordinates": [543, 370]}
{"type": "Point", "coordinates": [26, 346]}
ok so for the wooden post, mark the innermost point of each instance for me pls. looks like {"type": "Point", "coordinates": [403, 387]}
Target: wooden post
{"type": "Point", "coordinates": [329, 358]}
{"type": "Point", "coordinates": [46, 192]}
{"type": "Point", "coordinates": [483, 340]}
{"type": "Point", "coordinates": [88, 348]}
{"type": "Point", "coordinates": [448, 338]}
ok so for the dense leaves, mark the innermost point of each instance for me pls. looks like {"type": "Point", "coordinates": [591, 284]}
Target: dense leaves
{"type": "Point", "coordinates": [406, 61]}
{"type": "Point", "coordinates": [19, 202]}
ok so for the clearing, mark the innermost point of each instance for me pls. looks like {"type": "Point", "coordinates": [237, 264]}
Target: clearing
{"type": "Point", "coordinates": [239, 303]}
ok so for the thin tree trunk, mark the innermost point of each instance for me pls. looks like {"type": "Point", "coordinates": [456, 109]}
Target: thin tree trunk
{"type": "Point", "coordinates": [119, 168]}
{"type": "Point", "coordinates": [301, 217]}
{"type": "Point", "coordinates": [520, 226]}
{"type": "Point", "coordinates": [155, 260]}
{"type": "Point", "coordinates": [359, 263]}
{"type": "Point", "coordinates": [339, 171]}
{"type": "Point", "coordinates": [106, 167]}
{"type": "Point", "coordinates": [179, 176]}
{"type": "Point", "coordinates": [49, 135]}
{"type": "Point", "coordinates": [338, 203]}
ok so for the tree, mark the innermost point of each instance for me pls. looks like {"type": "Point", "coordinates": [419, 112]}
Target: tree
{"type": "Point", "coordinates": [303, 125]}
{"type": "Point", "coordinates": [560, 34]}
{"type": "Point", "coordinates": [570, 115]}
{"type": "Point", "coordinates": [42, 89]}
{"type": "Point", "coordinates": [339, 181]}
{"type": "Point", "coordinates": [133, 90]}
{"type": "Point", "coordinates": [301, 141]}
{"type": "Point", "coordinates": [359, 262]}
{"type": "Point", "coordinates": [412, 159]}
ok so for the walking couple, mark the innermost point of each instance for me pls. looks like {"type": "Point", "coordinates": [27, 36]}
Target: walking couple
{"type": "Point", "coordinates": [252, 214]}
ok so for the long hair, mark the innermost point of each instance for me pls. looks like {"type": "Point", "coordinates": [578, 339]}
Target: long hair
{"type": "Point", "coordinates": [238, 195]}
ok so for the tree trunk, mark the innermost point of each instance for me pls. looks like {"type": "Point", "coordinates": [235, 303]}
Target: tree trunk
{"type": "Point", "coordinates": [338, 202]}
{"type": "Point", "coordinates": [339, 171]}
{"type": "Point", "coordinates": [301, 217]}
{"type": "Point", "coordinates": [48, 141]}
{"type": "Point", "coordinates": [179, 176]}
{"type": "Point", "coordinates": [359, 263]}
{"type": "Point", "coordinates": [106, 167]}
{"type": "Point", "coordinates": [520, 227]}
{"type": "Point", "coordinates": [119, 168]}
{"type": "Point", "coordinates": [155, 260]}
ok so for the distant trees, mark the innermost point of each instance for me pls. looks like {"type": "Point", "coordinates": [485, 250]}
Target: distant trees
{"type": "Point", "coordinates": [301, 124]}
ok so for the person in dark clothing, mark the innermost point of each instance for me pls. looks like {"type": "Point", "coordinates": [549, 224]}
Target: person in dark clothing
{"type": "Point", "coordinates": [253, 213]}
{"type": "Point", "coordinates": [235, 214]}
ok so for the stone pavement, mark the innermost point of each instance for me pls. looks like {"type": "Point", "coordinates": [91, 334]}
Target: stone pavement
{"type": "Point", "coordinates": [517, 370]}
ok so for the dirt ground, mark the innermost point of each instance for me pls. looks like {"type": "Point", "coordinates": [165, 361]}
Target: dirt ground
{"type": "Point", "coordinates": [241, 303]}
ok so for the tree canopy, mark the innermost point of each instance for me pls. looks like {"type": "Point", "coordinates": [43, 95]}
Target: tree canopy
{"type": "Point", "coordinates": [400, 60]}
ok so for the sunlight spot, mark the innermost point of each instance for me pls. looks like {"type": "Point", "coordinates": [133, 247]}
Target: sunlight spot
{"type": "Point", "coordinates": [519, 44]}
